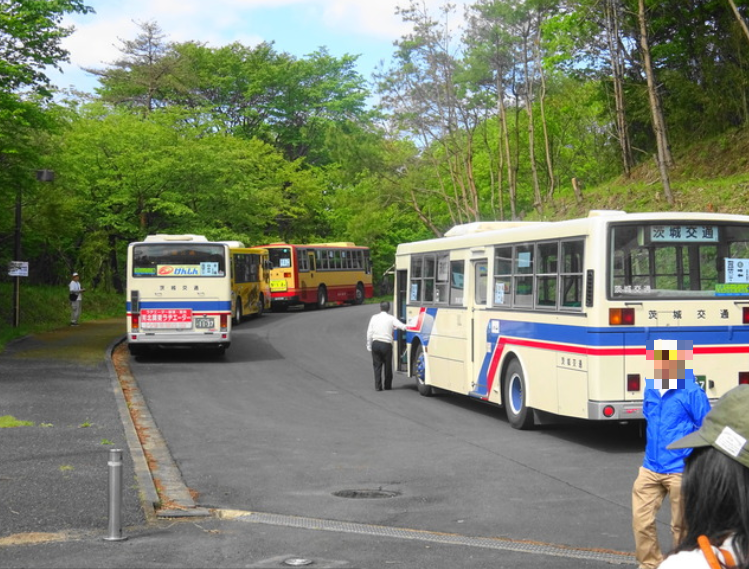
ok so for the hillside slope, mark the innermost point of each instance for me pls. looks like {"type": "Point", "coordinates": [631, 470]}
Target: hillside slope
{"type": "Point", "coordinates": [709, 175]}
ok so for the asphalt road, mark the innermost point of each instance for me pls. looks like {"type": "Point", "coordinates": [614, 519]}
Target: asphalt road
{"type": "Point", "coordinates": [289, 417]}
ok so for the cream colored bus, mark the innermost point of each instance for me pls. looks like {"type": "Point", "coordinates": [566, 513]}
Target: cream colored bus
{"type": "Point", "coordinates": [553, 318]}
{"type": "Point", "coordinates": [179, 293]}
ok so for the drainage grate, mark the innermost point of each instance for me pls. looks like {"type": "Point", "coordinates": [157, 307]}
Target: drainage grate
{"type": "Point", "coordinates": [498, 543]}
{"type": "Point", "coordinates": [366, 494]}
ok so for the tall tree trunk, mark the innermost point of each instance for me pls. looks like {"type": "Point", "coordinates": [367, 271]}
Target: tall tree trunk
{"type": "Point", "coordinates": [739, 18]}
{"type": "Point", "coordinates": [663, 157]}
{"type": "Point", "coordinates": [542, 108]}
{"type": "Point", "coordinates": [531, 126]}
{"type": "Point", "coordinates": [622, 127]}
{"type": "Point", "coordinates": [505, 134]}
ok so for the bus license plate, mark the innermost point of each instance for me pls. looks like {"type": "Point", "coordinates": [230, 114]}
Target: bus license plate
{"type": "Point", "coordinates": [204, 323]}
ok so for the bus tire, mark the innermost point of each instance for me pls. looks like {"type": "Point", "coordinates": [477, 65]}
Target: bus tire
{"type": "Point", "coordinates": [238, 311]}
{"type": "Point", "coordinates": [359, 295]}
{"type": "Point", "coordinates": [519, 415]}
{"type": "Point", "coordinates": [260, 305]}
{"type": "Point", "coordinates": [419, 373]}
{"type": "Point", "coordinates": [322, 296]}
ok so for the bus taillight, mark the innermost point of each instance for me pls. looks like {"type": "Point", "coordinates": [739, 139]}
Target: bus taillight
{"type": "Point", "coordinates": [224, 321]}
{"type": "Point", "coordinates": [609, 411]}
{"type": "Point", "coordinates": [633, 382]}
{"type": "Point", "coordinates": [744, 378]}
{"type": "Point", "coordinates": [622, 316]}
{"type": "Point", "coordinates": [135, 321]}
{"type": "Point", "coordinates": [745, 315]}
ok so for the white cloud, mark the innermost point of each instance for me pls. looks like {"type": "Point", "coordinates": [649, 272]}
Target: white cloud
{"type": "Point", "coordinates": [344, 23]}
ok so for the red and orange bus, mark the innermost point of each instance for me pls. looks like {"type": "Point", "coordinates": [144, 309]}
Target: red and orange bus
{"type": "Point", "coordinates": [318, 273]}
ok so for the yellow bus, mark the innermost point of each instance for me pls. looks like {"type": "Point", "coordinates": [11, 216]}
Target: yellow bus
{"type": "Point", "coordinates": [313, 275]}
{"type": "Point", "coordinates": [553, 318]}
{"type": "Point", "coordinates": [250, 281]}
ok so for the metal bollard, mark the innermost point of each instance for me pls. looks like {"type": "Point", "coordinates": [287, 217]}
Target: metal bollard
{"type": "Point", "coordinates": [115, 496]}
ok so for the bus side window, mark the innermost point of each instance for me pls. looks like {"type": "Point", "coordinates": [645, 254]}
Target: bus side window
{"type": "Point", "coordinates": [429, 269]}
{"type": "Point", "coordinates": [546, 278]}
{"type": "Point", "coordinates": [416, 279]}
{"type": "Point", "coordinates": [523, 279]}
{"type": "Point", "coordinates": [481, 277]}
{"type": "Point", "coordinates": [443, 278]}
{"type": "Point", "coordinates": [503, 276]}
{"type": "Point", "coordinates": [457, 272]}
{"type": "Point", "coordinates": [572, 273]}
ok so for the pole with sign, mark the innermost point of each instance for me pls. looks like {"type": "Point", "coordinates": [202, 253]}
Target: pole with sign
{"type": "Point", "coordinates": [18, 268]}
{"type": "Point", "coordinates": [17, 256]}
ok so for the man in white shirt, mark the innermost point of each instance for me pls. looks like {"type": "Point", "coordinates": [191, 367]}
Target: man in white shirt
{"type": "Point", "coordinates": [380, 343]}
{"type": "Point", "coordinates": [75, 299]}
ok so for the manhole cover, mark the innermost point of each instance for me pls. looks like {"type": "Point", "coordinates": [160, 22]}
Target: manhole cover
{"type": "Point", "coordinates": [366, 494]}
{"type": "Point", "coordinates": [297, 562]}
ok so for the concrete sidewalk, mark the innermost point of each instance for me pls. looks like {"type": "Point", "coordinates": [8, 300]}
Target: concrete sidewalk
{"type": "Point", "coordinates": [54, 486]}
{"type": "Point", "coordinates": [54, 473]}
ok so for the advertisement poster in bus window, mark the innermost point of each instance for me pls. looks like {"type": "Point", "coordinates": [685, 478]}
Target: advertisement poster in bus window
{"type": "Point", "coordinates": [737, 271]}
{"type": "Point", "coordinates": [443, 269]}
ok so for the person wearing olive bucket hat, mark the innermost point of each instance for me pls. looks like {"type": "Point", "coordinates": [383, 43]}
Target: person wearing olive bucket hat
{"type": "Point", "coordinates": [715, 489]}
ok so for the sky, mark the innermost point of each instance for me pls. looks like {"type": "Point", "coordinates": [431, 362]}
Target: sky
{"type": "Point", "coordinates": [366, 28]}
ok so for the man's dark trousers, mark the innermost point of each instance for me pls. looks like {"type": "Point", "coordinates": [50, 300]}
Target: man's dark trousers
{"type": "Point", "coordinates": [382, 356]}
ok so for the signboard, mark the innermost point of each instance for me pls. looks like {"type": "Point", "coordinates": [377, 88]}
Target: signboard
{"type": "Point", "coordinates": [18, 269]}
{"type": "Point", "coordinates": [176, 318]}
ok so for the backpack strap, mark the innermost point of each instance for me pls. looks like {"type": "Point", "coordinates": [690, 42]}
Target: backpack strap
{"type": "Point", "coordinates": [709, 553]}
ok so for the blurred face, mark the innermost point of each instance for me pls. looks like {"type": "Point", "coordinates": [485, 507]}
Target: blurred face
{"type": "Point", "coordinates": [669, 363]}
{"type": "Point", "coordinates": [668, 369]}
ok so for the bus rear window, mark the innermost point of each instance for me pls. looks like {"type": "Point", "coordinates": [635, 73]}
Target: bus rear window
{"type": "Point", "coordinates": [178, 260]}
{"type": "Point", "coordinates": [280, 258]}
{"type": "Point", "coordinates": [679, 260]}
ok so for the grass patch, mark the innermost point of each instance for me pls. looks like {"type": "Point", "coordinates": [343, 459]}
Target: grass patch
{"type": "Point", "coordinates": [9, 421]}
{"type": "Point", "coordinates": [44, 308]}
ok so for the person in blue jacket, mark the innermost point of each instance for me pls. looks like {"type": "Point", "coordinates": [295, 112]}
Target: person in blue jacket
{"type": "Point", "coordinates": [674, 406]}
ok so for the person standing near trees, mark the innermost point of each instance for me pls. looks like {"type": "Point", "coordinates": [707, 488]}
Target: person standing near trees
{"type": "Point", "coordinates": [380, 343]}
{"type": "Point", "coordinates": [76, 297]}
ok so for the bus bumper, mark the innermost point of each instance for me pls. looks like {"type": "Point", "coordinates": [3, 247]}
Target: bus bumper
{"type": "Point", "coordinates": [615, 410]}
{"type": "Point", "coordinates": [289, 300]}
{"type": "Point", "coordinates": [168, 340]}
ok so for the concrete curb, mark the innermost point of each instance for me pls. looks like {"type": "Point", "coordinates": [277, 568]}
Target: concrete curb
{"type": "Point", "coordinates": [163, 492]}
{"type": "Point", "coordinates": [149, 497]}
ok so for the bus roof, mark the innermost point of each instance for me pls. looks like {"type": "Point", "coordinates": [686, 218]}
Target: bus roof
{"type": "Point", "coordinates": [482, 233]}
{"type": "Point", "coordinates": [161, 237]}
{"type": "Point", "coordinates": [338, 244]}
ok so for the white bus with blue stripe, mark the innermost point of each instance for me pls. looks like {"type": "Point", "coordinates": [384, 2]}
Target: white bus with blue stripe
{"type": "Point", "coordinates": [179, 293]}
{"type": "Point", "coordinates": [553, 318]}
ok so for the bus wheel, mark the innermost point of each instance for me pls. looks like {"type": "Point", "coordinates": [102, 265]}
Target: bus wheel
{"type": "Point", "coordinates": [322, 297]}
{"type": "Point", "coordinates": [419, 372]}
{"type": "Point", "coordinates": [238, 311]}
{"type": "Point", "coordinates": [519, 414]}
{"type": "Point", "coordinates": [359, 298]}
{"type": "Point", "coordinates": [261, 305]}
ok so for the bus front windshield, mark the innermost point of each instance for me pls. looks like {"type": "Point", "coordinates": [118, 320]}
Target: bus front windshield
{"type": "Point", "coordinates": [676, 259]}
{"type": "Point", "coordinates": [178, 260]}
